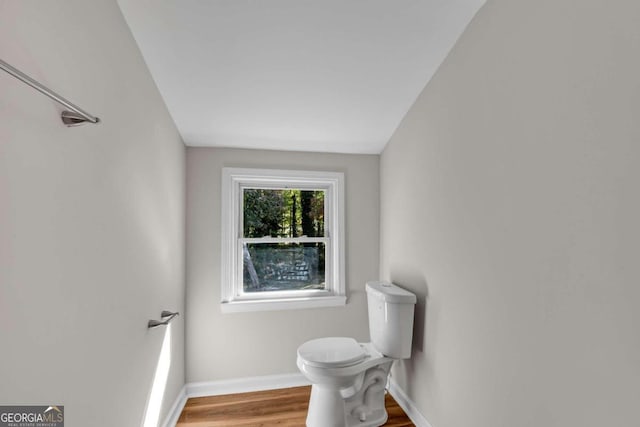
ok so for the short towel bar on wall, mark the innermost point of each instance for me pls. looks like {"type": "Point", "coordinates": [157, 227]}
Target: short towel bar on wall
{"type": "Point", "coordinates": [75, 117]}
{"type": "Point", "coordinates": [167, 316]}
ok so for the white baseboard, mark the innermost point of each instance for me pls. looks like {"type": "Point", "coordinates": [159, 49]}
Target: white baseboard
{"type": "Point", "coordinates": [176, 408]}
{"type": "Point", "coordinates": [245, 385]}
{"type": "Point", "coordinates": [407, 405]}
{"type": "Point", "coordinates": [236, 385]}
{"type": "Point", "coordinates": [272, 382]}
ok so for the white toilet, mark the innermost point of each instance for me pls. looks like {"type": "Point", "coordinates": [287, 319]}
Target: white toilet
{"type": "Point", "coordinates": [349, 378]}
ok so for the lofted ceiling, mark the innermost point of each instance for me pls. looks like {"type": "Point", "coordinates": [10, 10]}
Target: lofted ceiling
{"type": "Point", "coordinates": [322, 75]}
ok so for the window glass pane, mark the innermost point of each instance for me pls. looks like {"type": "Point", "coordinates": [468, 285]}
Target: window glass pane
{"type": "Point", "coordinates": [283, 266]}
{"type": "Point", "coordinates": [283, 213]}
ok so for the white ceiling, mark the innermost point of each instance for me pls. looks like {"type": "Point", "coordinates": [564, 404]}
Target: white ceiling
{"type": "Point", "coordinates": [323, 75]}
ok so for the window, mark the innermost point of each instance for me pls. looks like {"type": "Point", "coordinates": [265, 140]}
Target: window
{"type": "Point", "coordinates": [283, 239]}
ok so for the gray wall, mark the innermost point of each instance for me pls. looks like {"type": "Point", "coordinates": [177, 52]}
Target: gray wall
{"type": "Point", "coordinates": [236, 345]}
{"type": "Point", "coordinates": [91, 218]}
{"type": "Point", "coordinates": [510, 204]}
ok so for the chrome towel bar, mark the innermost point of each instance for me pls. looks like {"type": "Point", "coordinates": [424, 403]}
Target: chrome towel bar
{"type": "Point", "coordinates": [75, 117]}
{"type": "Point", "coordinates": [167, 316]}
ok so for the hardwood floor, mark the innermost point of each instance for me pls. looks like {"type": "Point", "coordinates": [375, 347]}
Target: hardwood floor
{"type": "Point", "coordinates": [284, 408]}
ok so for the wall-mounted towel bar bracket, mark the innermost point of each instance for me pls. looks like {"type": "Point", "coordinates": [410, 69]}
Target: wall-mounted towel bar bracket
{"type": "Point", "coordinates": [167, 316]}
{"type": "Point", "coordinates": [76, 116]}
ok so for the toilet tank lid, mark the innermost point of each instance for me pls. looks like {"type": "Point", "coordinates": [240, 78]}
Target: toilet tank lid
{"type": "Point", "coordinates": [390, 293]}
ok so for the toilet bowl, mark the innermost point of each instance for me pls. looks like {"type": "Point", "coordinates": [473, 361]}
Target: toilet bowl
{"type": "Point", "coordinates": [349, 381]}
{"type": "Point", "coordinates": [349, 378]}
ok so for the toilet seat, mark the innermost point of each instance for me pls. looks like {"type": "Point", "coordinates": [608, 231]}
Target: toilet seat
{"type": "Point", "coordinates": [332, 352]}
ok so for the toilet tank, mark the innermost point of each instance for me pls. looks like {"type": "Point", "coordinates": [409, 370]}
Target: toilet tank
{"type": "Point", "coordinates": [390, 318]}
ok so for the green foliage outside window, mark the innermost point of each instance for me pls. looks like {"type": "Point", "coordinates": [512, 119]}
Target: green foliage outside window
{"type": "Point", "coordinates": [283, 213]}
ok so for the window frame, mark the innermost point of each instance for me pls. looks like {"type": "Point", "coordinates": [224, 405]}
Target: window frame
{"type": "Point", "coordinates": [234, 181]}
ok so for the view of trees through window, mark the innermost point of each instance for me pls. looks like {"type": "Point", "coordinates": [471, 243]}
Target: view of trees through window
{"type": "Point", "coordinates": [294, 256]}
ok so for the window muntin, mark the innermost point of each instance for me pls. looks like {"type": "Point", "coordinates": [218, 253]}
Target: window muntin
{"type": "Point", "coordinates": [282, 239]}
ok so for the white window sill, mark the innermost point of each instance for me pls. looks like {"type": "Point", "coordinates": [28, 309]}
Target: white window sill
{"type": "Point", "coordinates": [239, 306]}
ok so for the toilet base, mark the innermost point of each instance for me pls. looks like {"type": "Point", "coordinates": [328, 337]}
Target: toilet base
{"type": "Point", "coordinates": [328, 407]}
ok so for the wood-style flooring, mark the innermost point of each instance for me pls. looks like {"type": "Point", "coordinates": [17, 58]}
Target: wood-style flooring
{"type": "Point", "coordinates": [283, 408]}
